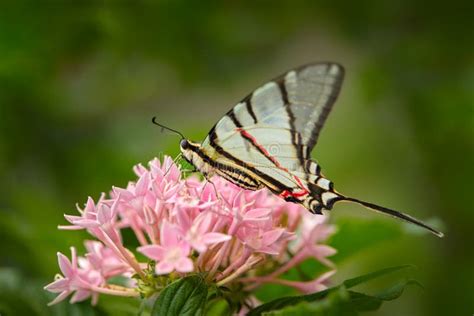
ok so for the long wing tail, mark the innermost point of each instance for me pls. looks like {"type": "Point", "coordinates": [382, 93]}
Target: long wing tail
{"type": "Point", "coordinates": [392, 213]}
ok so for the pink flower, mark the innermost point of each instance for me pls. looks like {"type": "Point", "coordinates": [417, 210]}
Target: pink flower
{"type": "Point", "coordinates": [172, 254]}
{"type": "Point", "coordinates": [243, 212]}
{"type": "Point", "coordinates": [314, 231]}
{"type": "Point", "coordinates": [133, 197]}
{"type": "Point", "coordinates": [265, 241]}
{"type": "Point", "coordinates": [167, 170]}
{"type": "Point", "coordinates": [74, 280]}
{"type": "Point", "coordinates": [188, 225]}
{"type": "Point", "coordinates": [103, 260]}
{"type": "Point", "coordinates": [199, 234]}
{"type": "Point", "coordinates": [88, 216]}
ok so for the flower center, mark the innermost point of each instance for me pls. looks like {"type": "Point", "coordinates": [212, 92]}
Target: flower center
{"type": "Point", "coordinates": [174, 254]}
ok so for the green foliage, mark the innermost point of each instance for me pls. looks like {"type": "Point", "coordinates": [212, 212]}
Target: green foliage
{"type": "Point", "coordinates": [338, 300]}
{"type": "Point", "coordinates": [150, 283]}
{"type": "Point", "coordinates": [336, 303]}
{"type": "Point", "coordinates": [342, 302]}
{"type": "Point", "coordinates": [186, 296]}
{"type": "Point", "coordinates": [192, 296]}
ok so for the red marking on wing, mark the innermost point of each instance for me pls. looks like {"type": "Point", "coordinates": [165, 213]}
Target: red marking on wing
{"type": "Point", "coordinates": [264, 151]}
{"type": "Point", "coordinates": [287, 193]}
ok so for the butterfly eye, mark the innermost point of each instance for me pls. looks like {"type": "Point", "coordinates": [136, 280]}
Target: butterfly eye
{"type": "Point", "coordinates": [184, 144]}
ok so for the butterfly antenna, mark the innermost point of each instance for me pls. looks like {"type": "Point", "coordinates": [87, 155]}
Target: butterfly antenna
{"type": "Point", "coordinates": [163, 127]}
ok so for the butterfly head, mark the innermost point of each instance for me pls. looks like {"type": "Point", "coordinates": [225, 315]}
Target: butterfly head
{"type": "Point", "coordinates": [190, 151]}
{"type": "Point", "coordinates": [184, 144]}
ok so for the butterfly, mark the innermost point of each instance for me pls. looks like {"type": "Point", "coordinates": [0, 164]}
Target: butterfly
{"type": "Point", "coordinates": [266, 140]}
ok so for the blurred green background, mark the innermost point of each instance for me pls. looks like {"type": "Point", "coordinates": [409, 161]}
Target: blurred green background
{"type": "Point", "coordinates": [79, 84]}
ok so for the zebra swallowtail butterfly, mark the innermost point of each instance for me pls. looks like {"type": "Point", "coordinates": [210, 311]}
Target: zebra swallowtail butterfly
{"type": "Point", "coordinates": [265, 141]}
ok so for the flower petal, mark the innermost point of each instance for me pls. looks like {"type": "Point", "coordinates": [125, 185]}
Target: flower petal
{"type": "Point", "coordinates": [124, 194]}
{"type": "Point", "coordinates": [65, 265]}
{"type": "Point", "coordinates": [86, 223]}
{"type": "Point", "coordinates": [59, 298]}
{"type": "Point", "coordinates": [184, 265]}
{"type": "Point", "coordinates": [164, 267]}
{"type": "Point", "coordinates": [154, 252]}
{"type": "Point", "coordinates": [215, 238]}
{"type": "Point", "coordinates": [272, 236]}
{"type": "Point", "coordinates": [258, 213]}
{"type": "Point", "coordinates": [169, 235]}
{"type": "Point", "coordinates": [268, 250]}
{"type": "Point", "coordinates": [79, 296]}
{"type": "Point", "coordinates": [183, 218]}
{"type": "Point", "coordinates": [198, 245]}
{"type": "Point", "coordinates": [58, 286]}
{"type": "Point", "coordinates": [139, 169]}
{"type": "Point", "coordinates": [323, 251]}
{"type": "Point", "coordinates": [104, 214]}
{"type": "Point", "coordinates": [72, 218]}
{"type": "Point", "coordinates": [90, 205]}
{"type": "Point", "coordinates": [142, 185]}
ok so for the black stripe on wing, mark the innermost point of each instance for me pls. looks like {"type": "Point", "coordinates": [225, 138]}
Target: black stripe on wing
{"type": "Point", "coordinates": [312, 167]}
{"type": "Point", "coordinates": [231, 115]}
{"type": "Point", "coordinates": [336, 87]}
{"type": "Point", "coordinates": [326, 109]}
{"type": "Point", "coordinates": [248, 105]}
{"type": "Point", "coordinates": [296, 138]}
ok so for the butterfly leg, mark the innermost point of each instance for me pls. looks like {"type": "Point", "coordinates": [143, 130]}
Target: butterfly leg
{"type": "Point", "coordinates": [208, 177]}
{"type": "Point", "coordinates": [202, 190]}
{"type": "Point", "coordinates": [215, 189]}
{"type": "Point", "coordinates": [204, 187]}
{"type": "Point", "coordinates": [175, 161]}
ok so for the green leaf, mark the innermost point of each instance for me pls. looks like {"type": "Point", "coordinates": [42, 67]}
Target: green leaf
{"type": "Point", "coordinates": [363, 302]}
{"type": "Point", "coordinates": [186, 296]}
{"type": "Point", "coordinates": [293, 300]}
{"type": "Point", "coordinates": [374, 275]}
{"type": "Point", "coordinates": [340, 301]}
{"type": "Point", "coordinates": [337, 303]}
{"type": "Point", "coordinates": [218, 307]}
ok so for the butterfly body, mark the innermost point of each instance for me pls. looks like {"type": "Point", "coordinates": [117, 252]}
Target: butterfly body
{"type": "Point", "coordinates": [266, 140]}
{"type": "Point", "coordinates": [314, 195]}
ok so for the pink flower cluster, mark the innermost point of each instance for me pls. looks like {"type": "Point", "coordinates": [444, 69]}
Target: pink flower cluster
{"type": "Point", "coordinates": [187, 225]}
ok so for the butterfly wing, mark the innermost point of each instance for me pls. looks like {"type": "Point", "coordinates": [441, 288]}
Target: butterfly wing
{"type": "Point", "coordinates": [267, 139]}
{"type": "Point", "coordinates": [270, 134]}
{"type": "Point", "coordinates": [297, 102]}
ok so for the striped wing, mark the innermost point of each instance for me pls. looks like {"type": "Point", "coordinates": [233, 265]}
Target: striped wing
{"type": "Point", "coordinates": [274, 129]}
{"type": "Point", "coordinates": [266, 140]}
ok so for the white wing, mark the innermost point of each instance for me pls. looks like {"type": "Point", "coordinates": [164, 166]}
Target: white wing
{"type": "Point", "coordinates": [276, 127]}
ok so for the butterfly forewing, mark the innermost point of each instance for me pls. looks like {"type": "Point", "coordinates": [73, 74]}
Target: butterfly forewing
{"type": "Point", "coordinates": [270, 134]}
